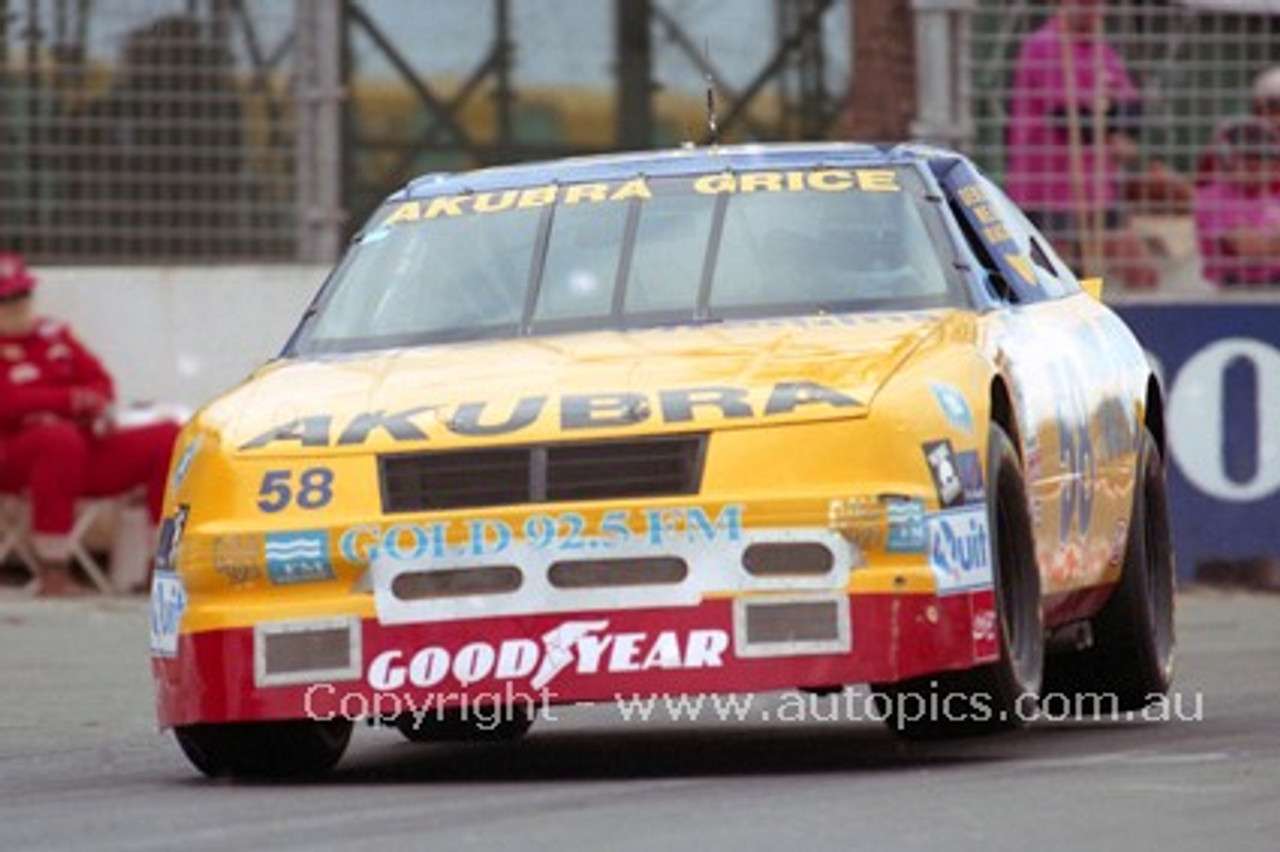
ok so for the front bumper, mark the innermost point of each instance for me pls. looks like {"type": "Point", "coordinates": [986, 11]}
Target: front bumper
{"type": "Point", "coordinates": [358, 667]}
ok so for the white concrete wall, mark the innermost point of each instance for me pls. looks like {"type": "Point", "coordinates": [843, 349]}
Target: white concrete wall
{"type": "Point", "coordinates": [179, 335]}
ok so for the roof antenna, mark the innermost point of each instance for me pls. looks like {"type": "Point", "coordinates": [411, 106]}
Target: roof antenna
{"type": "Point", "coordinates": [713, 129]}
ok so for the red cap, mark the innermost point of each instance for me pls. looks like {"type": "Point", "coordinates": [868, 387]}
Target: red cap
{"type": "Point", "coordinates": [15, 280]}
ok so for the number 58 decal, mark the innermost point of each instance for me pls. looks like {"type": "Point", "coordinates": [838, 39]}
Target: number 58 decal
{"type": "Point", "coordinates": [314, 489]}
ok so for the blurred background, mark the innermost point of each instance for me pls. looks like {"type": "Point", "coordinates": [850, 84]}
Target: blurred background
{"type": "Point", "coordinates": [181, 172]}
{"type": "Point", "coordinates": [225, 130]}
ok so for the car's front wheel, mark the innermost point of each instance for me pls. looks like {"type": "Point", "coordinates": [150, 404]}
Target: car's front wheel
{"type": "Point", "coordinates": [287, 749]}
{"type": "Point", "coordinates": [1003, 694]}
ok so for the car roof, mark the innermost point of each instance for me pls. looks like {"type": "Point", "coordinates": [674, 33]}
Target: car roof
{"type": "Point", "coordinates": [672, 162]}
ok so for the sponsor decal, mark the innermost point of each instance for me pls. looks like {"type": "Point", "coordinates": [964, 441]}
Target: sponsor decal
{"type": "Point", "coordinates": [960, 549]}
{"type": "Point", "coordinates": [278, 491]}
{"type": "Point", "coordinates": [954, 407]}
{"type": "Point", "coordinates": [1076, 456]}
{"type": "Point", "coordinates": [860, 519]}
{"type": "Point", "coordinates": [170, 539]}
{"type": "Point", "coordinates": [238, 558]}
{"type": "Point", "coordinates": [452, 206]}
{"type": "Point", "coordinates": [905, 518]}
{"type": "Point", "coordinates": [969, 469]}
{"type": "Point", "coordinates": [560, 532]}
{"type": "Point", "coordinates": [942, 467]}
{"type": "Point", "coordinates": [983, 216]}
{"type": "Point", "coordinates": [817, 180]}
{"type": "Point", "coordinates": [183, 467]}
{"type": "Point", "coordinates": [582, 647]}
{"type": "Point", "coordinates": [497, 201]}
{"type": "Point", "coordinates": [711, 545]}
{"type": "Point", "coordinates": [887, 521]}
{"type": "Point", "coordinates": [575, 412]}
{"type": "Point", "coordinates": [298, 557]}
{"type": "Point", "coordinates": [986, 641]}
{"type": "Point", "coordinates": [168, 603]}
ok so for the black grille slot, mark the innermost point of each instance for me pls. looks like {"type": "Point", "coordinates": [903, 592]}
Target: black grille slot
{"type": "Point", "coordinates": [652, 468]}
{"type": "Point", "coordinates": [599, 470]}
{"type": "Point", "coordinates": [423, 482]}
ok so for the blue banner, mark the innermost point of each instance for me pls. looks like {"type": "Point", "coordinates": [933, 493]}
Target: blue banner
{"type": "Point", "coordinates": [1220, 367]}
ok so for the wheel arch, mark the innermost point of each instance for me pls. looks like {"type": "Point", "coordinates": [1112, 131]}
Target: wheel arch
{"type": "Point", "coordinates": [1002, 413]}
{"type": "Point", "coordinates": [1153, 414]}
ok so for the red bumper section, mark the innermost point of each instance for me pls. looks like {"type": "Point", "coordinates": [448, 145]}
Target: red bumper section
{"type": "Point", "coordinates": [718, 647]}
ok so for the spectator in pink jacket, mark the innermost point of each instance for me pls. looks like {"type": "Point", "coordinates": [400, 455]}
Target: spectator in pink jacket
{"type": "Point", "coordinates": [1072, 130]}
{"type": "Point", "coordinates": [1237, 205]}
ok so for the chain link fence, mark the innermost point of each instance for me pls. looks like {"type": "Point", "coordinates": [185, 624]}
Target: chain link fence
{"type": "Point", "coordinates": [1176, 72]}
{"type": "Point", "coordinates": [146, 130]}
{"type": "Point", "coordinates": [230, 130]}
{"type": "Point", "coordinates": [206, 130]}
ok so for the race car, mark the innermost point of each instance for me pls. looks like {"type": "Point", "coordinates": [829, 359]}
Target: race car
{"type": "Point", "coordinates": [699, 421]}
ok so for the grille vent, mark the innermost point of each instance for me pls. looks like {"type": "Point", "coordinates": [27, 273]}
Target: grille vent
{"type": "Point", "coordinates": [598, 470]}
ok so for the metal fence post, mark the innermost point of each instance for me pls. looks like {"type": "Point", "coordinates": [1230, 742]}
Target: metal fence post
{"type": "Point", "coordinates": [943, 113]}
{"type": "Point", "coordinates": [319, 84]}
{"type": "Point", "coordinates": [634, 45]}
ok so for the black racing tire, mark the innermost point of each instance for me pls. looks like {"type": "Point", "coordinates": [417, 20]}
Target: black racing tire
{"type": "Point", "coordinates": [1002, 695]}
{"type": "Point", "coordinates": [456, 726]}
{"type": "Point", "coordinates": [296, 748]}
{"type": "Point", "coordinates": [1130, 663]}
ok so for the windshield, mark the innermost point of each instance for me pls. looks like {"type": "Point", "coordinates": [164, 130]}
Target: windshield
{"type": "Point", "coordinates": [635, 253]}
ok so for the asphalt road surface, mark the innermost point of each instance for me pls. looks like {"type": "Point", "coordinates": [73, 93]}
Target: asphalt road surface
{"type": "Point", "coordinates": [82, 766]}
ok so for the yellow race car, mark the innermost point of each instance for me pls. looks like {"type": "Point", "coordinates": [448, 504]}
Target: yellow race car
{"type": "Point", "coordinates": [699, 421]}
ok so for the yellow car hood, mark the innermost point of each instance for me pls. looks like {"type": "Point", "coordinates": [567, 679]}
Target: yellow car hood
{"type": "Point", "coordinates": [573, 386]}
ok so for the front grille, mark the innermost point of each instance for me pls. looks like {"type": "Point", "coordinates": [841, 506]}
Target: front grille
{"type": "Point", "coordinates": [598, 470]}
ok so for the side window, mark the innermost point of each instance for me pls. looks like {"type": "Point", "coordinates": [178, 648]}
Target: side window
{"type": "Point", "coordinates": [1053, 275]}
{"type": "Point", "coordinates": [979, 248]}
{"type": "Point", "coordinates": [1001, 247]}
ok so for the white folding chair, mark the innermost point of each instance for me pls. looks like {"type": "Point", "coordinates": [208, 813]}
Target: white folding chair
{"type": "Point", "coordinates": [15, 542]}
{"type": "Point", "coordinates": [15, 539]}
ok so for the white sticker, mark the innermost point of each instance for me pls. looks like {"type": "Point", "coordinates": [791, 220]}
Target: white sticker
{"type": "Point", "coordinates": [960, 549]}
{"type": "Point", "coordinates": [168, 603]}
{"type": "Point", "coordinates": [712, 552]}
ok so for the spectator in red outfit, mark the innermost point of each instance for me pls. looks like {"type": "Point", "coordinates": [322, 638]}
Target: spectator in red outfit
{"type": "Point", "coordinates": [57, 442]}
